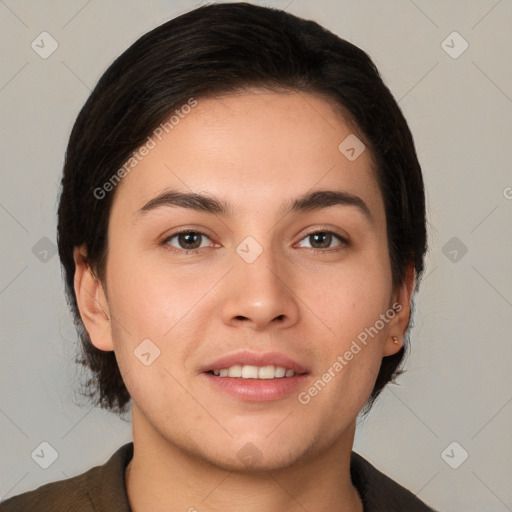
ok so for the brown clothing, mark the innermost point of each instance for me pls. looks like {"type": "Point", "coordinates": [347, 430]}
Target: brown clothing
{"type": "Point", "coordinates": [102, 489]}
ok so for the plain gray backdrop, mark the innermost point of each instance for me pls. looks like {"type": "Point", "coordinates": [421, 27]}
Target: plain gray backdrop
{"type": "Point", "coordinates": [445, 431]}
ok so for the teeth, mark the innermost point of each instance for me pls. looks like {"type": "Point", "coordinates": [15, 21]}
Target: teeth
{"type": "Point", "coordinates": [267, 372]}
{"type": "Point", "coordinates": [235, 371]}
{"type": "Point", "coordinates": [254, 372]}
{"type": "Point", "coordinates": [249, 372]}
{"type": "Point", "coordinates": [280, 371]}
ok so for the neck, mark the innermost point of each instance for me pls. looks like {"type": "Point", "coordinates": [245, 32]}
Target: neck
{"type": "Point", "coordinates": [163, 477]}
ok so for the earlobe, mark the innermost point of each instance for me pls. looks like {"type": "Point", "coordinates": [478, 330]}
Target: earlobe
{"type": "Point", "coordinates": [92, 302]}
{"type": "Point", "coordinates": [402, 307]}
{"type": "Point", "coordinates": [392, 345]}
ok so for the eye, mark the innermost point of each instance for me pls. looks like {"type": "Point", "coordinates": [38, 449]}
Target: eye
{"type": "Point", "coordinates": [192, 241]}
{"type": "Point", "coordinates": [321, 241]}
{"type": "Point", "coordinates": [186, 240]}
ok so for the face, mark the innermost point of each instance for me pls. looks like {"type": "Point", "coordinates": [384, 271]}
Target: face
{"type": "Point", "coordinates": [263, 287]}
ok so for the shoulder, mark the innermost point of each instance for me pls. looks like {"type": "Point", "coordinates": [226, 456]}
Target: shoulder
{"type": "Point", "coordinates": [100, 488]}
{"type": "Point", "coordinates": [381, 493]}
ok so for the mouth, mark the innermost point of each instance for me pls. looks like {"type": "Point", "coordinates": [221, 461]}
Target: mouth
{"type": "Point", "coordinates": [254, 372]}
{"type": "Point", "coordinates": [255, 377]}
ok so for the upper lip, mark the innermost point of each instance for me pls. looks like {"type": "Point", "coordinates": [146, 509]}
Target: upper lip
{"type": "Point", "coordinates": [247, 358]}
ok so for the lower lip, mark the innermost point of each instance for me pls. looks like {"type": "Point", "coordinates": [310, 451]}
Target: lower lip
{"type": "Point", "coordinates": [257, 390]}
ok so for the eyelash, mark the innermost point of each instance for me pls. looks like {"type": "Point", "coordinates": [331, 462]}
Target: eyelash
{"type": "Point", "coordinates": [343, 242]}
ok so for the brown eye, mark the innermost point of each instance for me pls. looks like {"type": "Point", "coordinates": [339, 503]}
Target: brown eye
{"type": "Point", "coordinates": [187, 240]}
{"type": "Point", "coordinates": [321, 240]}
{"type": "Point", "coordinates": [324, 239]}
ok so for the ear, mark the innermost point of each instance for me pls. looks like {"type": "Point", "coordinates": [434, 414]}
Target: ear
{"type": "Point", "coordinates": [92, 302]}
{"type": "Point", "coordinates": [401, 304]}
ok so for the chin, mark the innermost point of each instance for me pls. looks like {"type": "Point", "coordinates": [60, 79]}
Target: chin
{"type": "Point", "coordinates": [261, 463]}
{"type": "Point", "coordinates": [255, 456]}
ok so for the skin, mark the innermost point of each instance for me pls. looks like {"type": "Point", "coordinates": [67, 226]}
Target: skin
{"type": "Point", "coordinates": [256, 150]}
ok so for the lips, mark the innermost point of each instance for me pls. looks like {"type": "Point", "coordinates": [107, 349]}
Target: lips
{"type": "Point", "coordinates": [255, 377]}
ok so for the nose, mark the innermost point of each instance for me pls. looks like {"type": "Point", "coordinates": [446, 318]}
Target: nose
{"type": "Point", "coordinates": [260, 293]}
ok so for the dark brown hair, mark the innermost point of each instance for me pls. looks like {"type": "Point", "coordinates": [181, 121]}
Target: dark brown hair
{"type": "Point", "coordinates": [223, 48]}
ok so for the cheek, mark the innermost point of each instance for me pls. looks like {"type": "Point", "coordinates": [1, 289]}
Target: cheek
{"type": "Point", "coordinates": [349, 356]}
{"type": "Point", "coordinates": [152, 301]}
{"type": "Point", "coordinates": [152, 298]}
{"type": "Point", "coordinates": [351, 299]}
{"type": "Point", "coordinates": [153, 314]}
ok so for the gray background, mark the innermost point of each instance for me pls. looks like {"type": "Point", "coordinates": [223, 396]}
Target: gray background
{"type": "Point", "coordinates": [457, 387]}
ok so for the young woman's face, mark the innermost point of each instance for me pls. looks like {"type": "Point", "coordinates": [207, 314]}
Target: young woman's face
{"type": "Point", "coordinates": [261, 284]}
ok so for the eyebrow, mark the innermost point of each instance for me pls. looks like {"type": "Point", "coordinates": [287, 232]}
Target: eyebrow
{"type": "Point", "coordinates": [311, 201]}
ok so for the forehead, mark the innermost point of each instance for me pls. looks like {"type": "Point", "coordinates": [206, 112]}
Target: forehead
{"type": "Point", "coordinates": [255, 146]}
